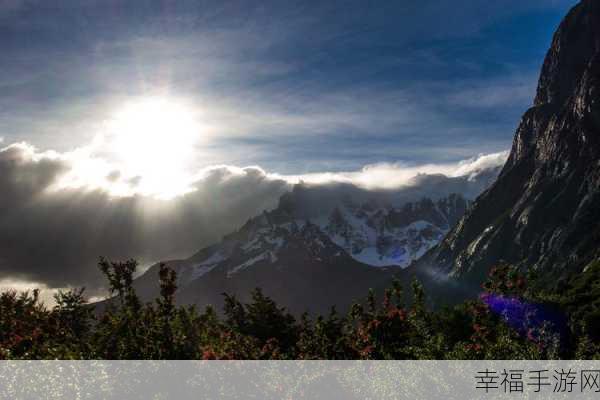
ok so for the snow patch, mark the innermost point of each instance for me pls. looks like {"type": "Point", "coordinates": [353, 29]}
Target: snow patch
{"type": "Point", "coordinates": [207, 265]}
{"type": "Point", "coordinates": [267, 255]}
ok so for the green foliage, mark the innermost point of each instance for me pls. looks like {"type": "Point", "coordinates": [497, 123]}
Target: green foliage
{"type": "Point", "coordinates": [582, 297]}
{"type": "Point", "coordinates": [385, 328]}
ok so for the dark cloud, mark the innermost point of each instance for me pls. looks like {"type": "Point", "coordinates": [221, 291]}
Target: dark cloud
{"type": "Point", "coordinates": [55, 237]}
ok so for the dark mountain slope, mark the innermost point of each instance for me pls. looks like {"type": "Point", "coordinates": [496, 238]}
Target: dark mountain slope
{"type": "Point", "coordinates": [543, 212]}
{"type": "Point", "coordinates": [299, 267]}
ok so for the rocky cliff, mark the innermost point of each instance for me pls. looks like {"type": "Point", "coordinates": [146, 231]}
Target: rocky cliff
{"type": "Point", "coordinates": [543, 212]}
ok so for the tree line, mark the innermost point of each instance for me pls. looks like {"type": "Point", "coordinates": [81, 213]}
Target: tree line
{"type": "Point", "coordinates": [510, 320]}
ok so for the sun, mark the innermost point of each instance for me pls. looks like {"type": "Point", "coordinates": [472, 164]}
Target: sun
{"type": "Point", "coordinates": [153, 140]}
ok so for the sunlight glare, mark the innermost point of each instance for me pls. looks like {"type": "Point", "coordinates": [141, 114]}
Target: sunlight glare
{"type": "Point", "coordinates": [154, 139]}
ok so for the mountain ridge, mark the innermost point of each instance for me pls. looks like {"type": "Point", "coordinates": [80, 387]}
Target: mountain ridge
{"type": "Point", "coordinates": [310, 264]}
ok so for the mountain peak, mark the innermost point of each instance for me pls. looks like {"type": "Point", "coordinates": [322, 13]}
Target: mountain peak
{"type": "Point", "coordinates": [574, 45]}
{"type": "Point", "coordinates": [543, 212]}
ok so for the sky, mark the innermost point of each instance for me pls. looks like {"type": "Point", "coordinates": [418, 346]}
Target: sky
{"type": "Point", "coordinates": [294, 87]}
{"type": "Point", "coordinates": [209, 110]}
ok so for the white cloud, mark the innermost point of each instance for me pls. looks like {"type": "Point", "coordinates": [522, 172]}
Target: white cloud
{"type": "Point", "coordinates": [46, 294]}
{"type": "Point", "coordinates": [475, 165]}
{"type": "Point", "coordinates": [397, 175]}
{"type": "Point", "coordinates": [85, 169]}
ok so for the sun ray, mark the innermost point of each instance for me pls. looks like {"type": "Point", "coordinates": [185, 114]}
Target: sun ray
{"type": "Point", "coordinates": [152, 141]}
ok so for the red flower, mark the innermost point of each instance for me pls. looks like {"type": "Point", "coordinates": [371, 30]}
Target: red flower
{"type": "Point", "coordinates": [209, 355]}
{"type": "Point", "coordinates": [396, 313]}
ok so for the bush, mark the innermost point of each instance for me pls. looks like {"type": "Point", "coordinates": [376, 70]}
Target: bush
{"type": "Point", "coordinates": [509, 321]}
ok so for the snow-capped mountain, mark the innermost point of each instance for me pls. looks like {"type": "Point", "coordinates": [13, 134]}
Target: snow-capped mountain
{"type": "Point", "coordinates": [372, 234]}
{"type": "Point", "coordinates": [294, 262]}
{"type": "Point", "coordinates": [388, 236]}
{"type": "Point", "coordinates": [321, 246]}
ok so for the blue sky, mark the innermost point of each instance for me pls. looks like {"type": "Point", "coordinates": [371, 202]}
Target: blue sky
{"type": "Point", "coordinates": [294, 87]}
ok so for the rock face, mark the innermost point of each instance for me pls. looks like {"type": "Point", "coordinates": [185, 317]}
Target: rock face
{"type": "Point", "coordinates": [543, 212]}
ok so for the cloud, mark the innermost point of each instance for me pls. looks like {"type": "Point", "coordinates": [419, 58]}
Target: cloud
{"type": "Point", "coordinates": [398, 175]}
{"type": "Point", "coordinates": [54, 235]}
{"type": "Point", "coordinates": [477, 165]}
{"type": "Point", "coordinates": [46, 293]}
